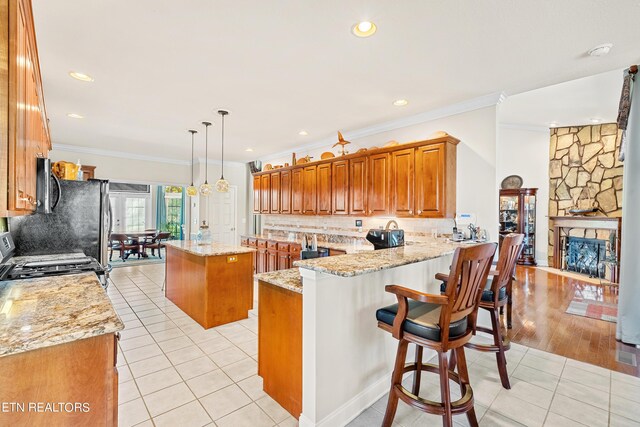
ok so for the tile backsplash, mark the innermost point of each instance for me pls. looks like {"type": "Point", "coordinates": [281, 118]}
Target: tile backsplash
{"type": "Point", "coordinates": [343, 229]}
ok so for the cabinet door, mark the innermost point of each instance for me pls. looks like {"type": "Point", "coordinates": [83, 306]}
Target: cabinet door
{"type": "Point", "coordinates": [275, 193]}
{"type": "Point", "coordinates": [309, 193]}
{"type": "Point", "coordinates": [285, 192]}
{"type": "Point", "coordinates": [296, 191]}
{"type": "Point", "coordinates": [261, 263]}
{"type": "Point", "coordinates": [256, 194]}
{"type": "Point", "coordinates": [402, 180]}
{"type": "Point", "coordinates": [378, 192]}
{"type": "Point", "coordinates": [340, 187]}
{"type": "Point", "coordinates": [283, 260]}
{"type": "Point", "coordinates": [430, 191]}
{"type": "Point", "coordinates": [265, 193]}
{"type": "Point", "coordinates": [272, 260]}
{"type": "Point", "coordinates": [358, 186]}
{"type": "Point", "coordinates": [323, 188]}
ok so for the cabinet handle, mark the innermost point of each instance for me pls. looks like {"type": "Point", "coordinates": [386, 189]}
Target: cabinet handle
{"type": "Point", "coordinates": [419, 212]}
{"type": "Point", "coordinates": [410, 212]}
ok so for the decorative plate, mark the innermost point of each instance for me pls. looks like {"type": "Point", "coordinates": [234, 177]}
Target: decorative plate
{"type": "Point", "coordinates": [511, 182]}
{"type": "Point", "coordinates": [268, 167]}
{"type": "Point", "coordinates": [327, 155]}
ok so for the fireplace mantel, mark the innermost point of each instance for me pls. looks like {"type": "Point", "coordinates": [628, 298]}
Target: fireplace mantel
{"type": "Point", "coordinates": [586, 222]}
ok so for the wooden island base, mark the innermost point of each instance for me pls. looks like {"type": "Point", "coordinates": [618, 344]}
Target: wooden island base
{"type": "Point", "coordinates": [212, 289]}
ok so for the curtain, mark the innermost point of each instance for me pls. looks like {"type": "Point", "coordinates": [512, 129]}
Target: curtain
{"type": "Point", "coordinates": [182, 215]}
{"type": "Point", "coordinates": [628, 327]}
{"type": "Point", "coordinates": [161, 209]}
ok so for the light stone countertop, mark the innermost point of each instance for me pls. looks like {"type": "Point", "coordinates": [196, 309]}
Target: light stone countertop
{"type": "Point", "coordinates": [209, 249]}
{"type": "Point", "coordinates": [288, 279]}
{"type": "Point", "coordinates": [349, 248]}
{"type": "Point", "coordinates": [42, 312]}
{"type": "Point", "coordinates": [367, 262]}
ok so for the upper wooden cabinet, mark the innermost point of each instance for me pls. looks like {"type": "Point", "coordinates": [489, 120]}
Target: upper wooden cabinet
{"type": "Point", "coordinates": [323, 188]}
{"type": "Point", "coordinates": [23, 120]}
{"type": "Point", "coordinates": [265, 194]}
{"type": "Point", "coordinates": [309, 199]}
{"type": "Point", "coordinates": [274, 189]}
{"type": "Point", "coordinates": [256, 194]}
{"type": "Point", "coordinates": [340, 187]}
{"type": "Point", "coordinates": [416, 180]}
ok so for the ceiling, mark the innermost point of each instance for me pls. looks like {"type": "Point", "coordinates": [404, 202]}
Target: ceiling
{"type": "Point", "coordinates": [161, 67]}
{"type": "Point", "coordinates": [577, 102]}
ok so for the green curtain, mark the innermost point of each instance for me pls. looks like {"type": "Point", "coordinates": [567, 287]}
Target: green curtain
{"type": "Point", "coordinates": [161, 209]}
{"type": "Point", "coordinates": [182, 207]}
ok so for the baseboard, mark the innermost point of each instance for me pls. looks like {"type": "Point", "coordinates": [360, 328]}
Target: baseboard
{"type": "Point", "coordinates": [352, 408]}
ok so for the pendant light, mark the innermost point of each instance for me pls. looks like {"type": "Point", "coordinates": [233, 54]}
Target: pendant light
{"type": "Point", "coordinates": [222, 185]}
{"type": "Point", "coordinates": [205, 188]}
{"type": "Point", "coordinates": [192, 191]}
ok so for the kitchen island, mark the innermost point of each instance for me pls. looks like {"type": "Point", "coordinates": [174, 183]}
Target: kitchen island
{"type": "Point", "coordinates": [58, 352]}
{"type": "Point", "coordinates": [212, 283]}
{"type": "Point", "coordinates": [346, 360]}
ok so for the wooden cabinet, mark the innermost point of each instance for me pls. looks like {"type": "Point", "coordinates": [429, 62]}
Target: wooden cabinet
{"type": "Point", "coordinates": [256, 194]}
{"type": "Point", "coordinates": [285, 192]}
{"type": "Point", "coordinates": [283, 260]}
{"type": "Point", "coordinates": [296, 192]}
{"type": "Point", "coordinates": [402, 182]}
{"type": "Point", "coordinates": [23, 123]}
{"type": "Point", "coordinates": [272, 260]}
{"type": "Point", "coordinates": [309, 199]}
{"type": "Point", "coordinates": [358, 186]}
{"type": "Point", "coordinates": [323, 188]}
{"type": "Point", "coordinates": [416, 180]}
{"type": "Point", "coordinates": [274, 190]}
{"type": "Point", "coordinates": [340, 187]}
{"type": "Point", "coordinates": [265, 194]}
{"type": "Point", "coordinates": [378, 184]}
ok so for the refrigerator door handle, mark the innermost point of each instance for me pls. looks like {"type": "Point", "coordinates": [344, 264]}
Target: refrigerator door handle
{"type": "Point", "coordinates": [57, 181]}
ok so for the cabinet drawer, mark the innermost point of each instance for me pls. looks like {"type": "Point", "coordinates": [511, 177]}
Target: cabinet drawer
{"type": "Point", "coordinates": [244, 241]}
{"type": "Point", "coordinates": [271, 244]}
{"type": "Point", "coordinates": [262, 243]}
{"type": "Point", "coordinates": [295, 248]}
{"type": "Point", "coordinates": [253, 242]}
{"type": "Point", "coordinates": [283, 246]}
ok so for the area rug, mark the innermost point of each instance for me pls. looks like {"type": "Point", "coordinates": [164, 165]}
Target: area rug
{"type": "Point", "coordinates": [133, 261]}
{"type": "Point", "coordinates": [594, 309]}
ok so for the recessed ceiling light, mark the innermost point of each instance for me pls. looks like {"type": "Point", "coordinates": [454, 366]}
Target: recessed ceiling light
{"type": "Point", "coordinates": [553, 125]}
{"type": "Point", "coordinates": [75, 116]}
{"type": "Point", "coordinates": [595, 120]}
{"type": "Point", "coordinates": [303, 133]}
{"type": "Point", "coordinates": [364, 29]}
{"type": "Point", "coordinates": [400, 102]}
{"type": "Point", "coordinates": [600, 50]}
{"type": "Point", "coordinates": [81, 76]}
{"type": "Point", "coordinates": [248, 149]}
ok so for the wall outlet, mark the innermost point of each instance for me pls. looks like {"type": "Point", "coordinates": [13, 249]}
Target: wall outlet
{"type": "Point", "coordinates": [358, 223]}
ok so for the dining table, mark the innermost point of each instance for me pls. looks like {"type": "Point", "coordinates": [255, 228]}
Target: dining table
{"type": "Point", "coordinates": [139, 238]}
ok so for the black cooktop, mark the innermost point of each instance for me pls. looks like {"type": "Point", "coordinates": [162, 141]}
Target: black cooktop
{"type": "Point", "coordinates": [58, 267]}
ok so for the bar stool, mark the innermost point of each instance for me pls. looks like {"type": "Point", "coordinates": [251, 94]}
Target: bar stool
{"type": "Point", "coordinates": [441, 323]}
{"type": "Point", "coordinates": [495, 296]}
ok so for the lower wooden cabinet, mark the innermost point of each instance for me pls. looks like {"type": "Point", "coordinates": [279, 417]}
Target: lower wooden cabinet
{"type": "Point", "coordinates": [81, 372]}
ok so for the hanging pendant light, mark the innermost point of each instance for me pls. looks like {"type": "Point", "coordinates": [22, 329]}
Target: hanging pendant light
{"type": "Point", "coordinates": [222, 185]}
{"type": "Point", "coordinates": [205, 188]}
{"type": "Point", "coordinates": [192, 191]}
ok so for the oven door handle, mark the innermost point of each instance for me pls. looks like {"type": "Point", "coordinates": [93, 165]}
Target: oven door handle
{"type": "Point", "coordinates": [57, 181]}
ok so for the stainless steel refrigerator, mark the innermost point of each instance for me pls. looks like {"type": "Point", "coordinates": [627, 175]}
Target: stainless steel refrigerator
{"type": "Point", "coordinates": [80, 221]}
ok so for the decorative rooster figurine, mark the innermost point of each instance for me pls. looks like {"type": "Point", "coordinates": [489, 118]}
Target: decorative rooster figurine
{"type": "Point", "coordinates": [341, 142]}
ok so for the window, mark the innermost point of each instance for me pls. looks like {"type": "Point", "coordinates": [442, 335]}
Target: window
{"type": "Point", "coordinates": [174, 210]}
{"type": "Point", "coordinates": [135, 214]}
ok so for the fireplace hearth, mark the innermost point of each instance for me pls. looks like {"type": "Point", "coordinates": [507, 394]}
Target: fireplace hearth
{"type": "Point", "coordinates": [585, 255]}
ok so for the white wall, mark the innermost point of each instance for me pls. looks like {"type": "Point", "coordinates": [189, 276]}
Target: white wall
{"type": "Point", "coordinates": [525, 151]}
{"type": "Point", "coordinates": [476, 168]}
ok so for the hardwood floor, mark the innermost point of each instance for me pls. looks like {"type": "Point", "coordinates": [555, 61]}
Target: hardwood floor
{"type": "Point", "coordinates": [540, 299]}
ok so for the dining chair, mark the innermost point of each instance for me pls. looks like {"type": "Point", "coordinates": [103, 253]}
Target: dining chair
{"type": "Point", "coordinates": [157, 243]}
{"type": "Point", "coordinates": [495, 295]}
{"type": "Point", "coordinates": [441, 323]}
{"type": "Point", "coordinates": [124, 244]}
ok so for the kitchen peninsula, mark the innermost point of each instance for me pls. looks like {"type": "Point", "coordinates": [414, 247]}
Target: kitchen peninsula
{"type": "Point", "coordinates": [346, 361]}
{"type": "Point", "coordinates": [212, 282]}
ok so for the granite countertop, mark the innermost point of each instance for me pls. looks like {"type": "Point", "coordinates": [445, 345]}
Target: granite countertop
{"type": "Point", "coordinates": [289, 279]}
{"type": "Point", "coordinates": [42, 312]}
{"type": "Point", "coordinates": [368, 262]}
{"type": "Point", "coordinates": [209, 249]}
{"type": "Point", "coordinates": [48, 257]}
{"type": "Point", "coordinates": [349, 248]}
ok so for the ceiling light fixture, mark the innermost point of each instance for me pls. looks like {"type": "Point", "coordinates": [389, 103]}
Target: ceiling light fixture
{"type": "Point", "coordinates": [222, 185]}
{"type": "Point", "coordinates": [364, 29]}
{"type": "Point", "coordinates": [248, 149]}
{"type": "Point", "coordinates": [600, 50]}
{"type": "Point", "coordinates": [303, 133]}
{"type": "Point", "coordinates": [553, 125]}
{"type": "Point", "coordinates": [192, 191]}
{"type": "Point", "coordinates": [81, 76]}
{"type": "Point", "coordinates": [595, 120]}
{"type": "Point", "coordinates": [205, 188]}
{"type": "Point", "coordinates": [400, 102]}
{"type": "Point", "coordinates": [75, 116]}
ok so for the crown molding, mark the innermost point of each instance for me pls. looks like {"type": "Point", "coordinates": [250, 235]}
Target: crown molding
{"type": "Point", "coordinates": [523, 126]}
{"type": "Point", "coordinates": [118, 154]}
{"type": "Point", "coordinates": [218, 162]}
{"type": "Point", "coordinates": [427, 116]}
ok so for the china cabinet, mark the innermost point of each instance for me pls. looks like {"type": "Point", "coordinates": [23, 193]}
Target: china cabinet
{"type": "Point", "coordinates": [517, 214]}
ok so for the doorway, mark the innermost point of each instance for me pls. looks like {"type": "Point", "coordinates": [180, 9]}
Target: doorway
{"type": "Point", "coordinates": [222, 214]}
{"type": "Point", "coordinates": [131, 211]}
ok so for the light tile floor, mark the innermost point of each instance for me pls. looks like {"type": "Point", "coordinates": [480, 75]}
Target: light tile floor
{"type": "Point", "coordinates": [175, 373]}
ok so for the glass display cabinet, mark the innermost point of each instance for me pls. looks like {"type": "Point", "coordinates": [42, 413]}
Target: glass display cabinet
{"type": "Point", "coordinates": [517, 214]}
